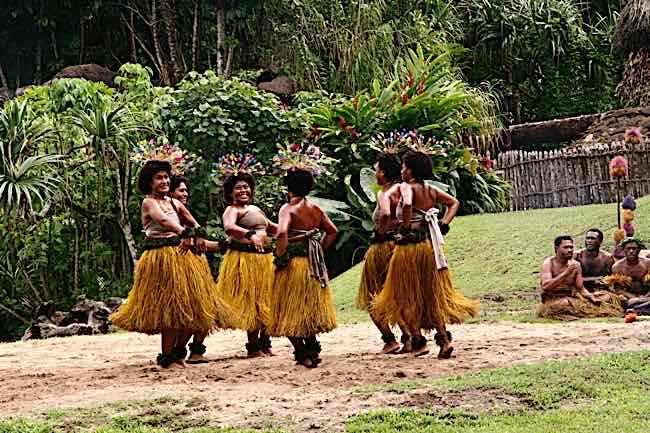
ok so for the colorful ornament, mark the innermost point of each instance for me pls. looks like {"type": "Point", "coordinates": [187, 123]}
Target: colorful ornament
{"type": "Point", "coordinates": [633, 136]}
{"type": "Point", "coordinates": [618, 167]}
{"type": "Point", "coordinates": [160, 149]}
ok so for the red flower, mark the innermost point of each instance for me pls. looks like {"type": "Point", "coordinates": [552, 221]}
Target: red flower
{"type": "Point", "coordinates": [353, 134]}
{"type": "Point", "coordinates": [405, 97]}
{"type": "Point", "coordinates": [410, 80]}
{"type": "Point", "coordinates": [342, 123]}
{"type": "Point", "coordinates": [295, 147]}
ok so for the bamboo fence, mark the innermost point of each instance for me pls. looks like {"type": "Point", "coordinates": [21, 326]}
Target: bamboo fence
{"type": "Point", "coordinates": [573, 176]}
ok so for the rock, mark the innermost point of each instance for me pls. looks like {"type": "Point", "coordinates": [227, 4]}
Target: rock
{"type": "Point", "coordinates": [90, 72]}
{"type": "Point", "coordinates": [22, 90]}
{"type": "Point", "coordinates": [282, 86]}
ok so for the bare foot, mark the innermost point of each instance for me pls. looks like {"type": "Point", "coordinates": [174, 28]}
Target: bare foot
{"type": "Point", "coordinates": [196, 358]}
{"type": "Point", "coordinates": [445, 351]}
{"type": "Point", "coordinates": [390, 348]}
{"type": "Point", "coordinates": [406, 348]}
{"type": "Point", "coordinates": [424, 350]}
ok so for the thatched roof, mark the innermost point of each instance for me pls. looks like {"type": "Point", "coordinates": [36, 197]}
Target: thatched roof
{"type": "Point", "coordinates": [633, 27]}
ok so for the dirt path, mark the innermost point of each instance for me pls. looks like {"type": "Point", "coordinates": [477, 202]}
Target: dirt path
{"type": "Point", "coordinates": [89, 371]}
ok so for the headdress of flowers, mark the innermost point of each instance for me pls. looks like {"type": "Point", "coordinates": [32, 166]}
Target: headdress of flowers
{"type": "Point", "coordinates": [160, 149]}
{"type": "Point", "coordinates": [303, 156]}
{"type": "Point", "coordinates": [235, 163]}
{"type": "Point", "coordinates": [413, 140]}
{"type": "Point", "coordinates": [390, 143]}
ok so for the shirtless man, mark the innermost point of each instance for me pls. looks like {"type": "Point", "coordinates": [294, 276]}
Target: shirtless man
{"type": "Point", "coordinates": [636, 268]}
{"type": "Point", "coordinates": [561, 277]}
{"type": "Point", "coordinates": [595, 263]}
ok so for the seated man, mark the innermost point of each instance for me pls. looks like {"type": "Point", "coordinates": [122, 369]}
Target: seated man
{"type": "Point", "coordinates": [564, 296]}
{"type": "Point", "coordinates": [595, 263]}
{"type": "Point", "coordinates": [630, 276]}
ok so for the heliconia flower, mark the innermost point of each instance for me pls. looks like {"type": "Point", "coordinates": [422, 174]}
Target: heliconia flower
{"type": "Point", "coordinates": [295, 147]}
{"type": "Point", "coordinates": [633, 135]}
{"type": "Point", "coordinates": [405, 97]}
{"type": "Point", "coordinates": [618, 166]}
{"type": "Point", "coordinates": [410, 80]}
{"type": "Point", "coordinates": [341, 121]}
{"type": "Point", "coordinates": [354, 134]}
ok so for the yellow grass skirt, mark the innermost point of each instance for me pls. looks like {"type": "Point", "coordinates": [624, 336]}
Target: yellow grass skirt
{"type": "Point", "coordinates": [245, 282]}
{"type": "Point", "coordinates": [375, 269]}
{"type": "Point", "coordinates": [416, 293]}
{"type": "Point", "coordinates": [579, 308]}
{"type": "Point", "coordinates": [300, 307]}
{"type": "Point", "coordinates": [173, 292]}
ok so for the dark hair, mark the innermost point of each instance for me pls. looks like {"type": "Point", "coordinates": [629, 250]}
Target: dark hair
{"type": "Point", "coordinates": [177, 181]}
{"type": "Point", "coordinates": [148, 171]}
{"type": "Point", "coordinates": [299, 182]}
{"type": "Point", "coordinates": [231, 181]}
{"type": "Point", "coordinates": [600, 234]}
{"type": "Point", "coordinates": [559, 239]}
{"type": "Point", "coordinates": [420, 165]}
{"type": "Point", "coordinates": [390, 164]}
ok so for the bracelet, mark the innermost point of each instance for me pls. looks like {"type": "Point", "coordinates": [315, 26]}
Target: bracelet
{"type": "Point", "coordinates": [249, 234]}
{"type": "Point", "coordinates": [200, 232]}
{"type": "Point", "coordinates": [281, 261]}
{"type": "Point", "coordinates": [187, 233]}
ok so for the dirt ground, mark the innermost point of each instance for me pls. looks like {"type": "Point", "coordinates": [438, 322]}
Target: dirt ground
{"type": "Point", "coordinates": [90, 371]}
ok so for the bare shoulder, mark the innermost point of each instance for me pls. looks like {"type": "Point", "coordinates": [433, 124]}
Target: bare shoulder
{"type": "Point", "coordinates": [618, 265]}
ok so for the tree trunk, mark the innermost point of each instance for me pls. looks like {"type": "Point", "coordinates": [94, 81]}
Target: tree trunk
{"type": "Point", "coordinates": [123, 219]}
{"type": "Point", "coordinates": [3, 78]}
{"type": "Point", "coordinates": [134, 51]}
{"type": "Point", "coordinates": [169, 17]}
{"type": "Point", "coordinates": [55, 49]}
{"type": "Point", "coordinates": [82, 40]}
{"type": "Point", "coordinates": [195, 34]}
{"type": "Point", "coordinates": [231, 51]}
{"type": "Point", "coordinates": [221, 35]}
{"type": "Point", "coordinates": [38, 59]}
{"type": "Point", "coordinates": [634, 88]}
{"type": "Point", "coordinates": [164, 73]}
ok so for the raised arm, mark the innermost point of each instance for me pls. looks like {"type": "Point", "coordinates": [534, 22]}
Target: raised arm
{"type": "Point", "coordinates": [282, 235]}
{"type": "Point", "coordinates": [330, 230]}
{"type": "Point", "coordinates": [151, 209]}
{"type": "Point", "coordinates": [271, 228]}
{"type": "Point", "coordinates": [184, 214]}
{"type": "Point", "coordinates": [548, 283]}
{"type": "Point", "coordinates": [450, 202]}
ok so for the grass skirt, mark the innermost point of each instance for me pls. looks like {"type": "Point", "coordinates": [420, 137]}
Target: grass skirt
{"type": "Point", "coordinates": [375, 269]}
{"type": "Point", "coordinates": [300, 307]}
{"type": "Point", "coordinates": [172, 292]}
{"type": "Point", "coordinates": [245, 282]}
{"type": "Point", "coordinates": [416, 293]}
{"type": "Point", "coordinates": [579, 308]}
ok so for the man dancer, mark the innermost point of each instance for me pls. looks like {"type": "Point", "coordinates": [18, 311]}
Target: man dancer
{"type": "Point", "coordinates": [635, 268]}
{"type": "Point", "coordinates": [595, 264]}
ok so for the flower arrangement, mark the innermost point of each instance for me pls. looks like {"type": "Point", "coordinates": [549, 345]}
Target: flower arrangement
{"type": "Point", "coordinates": [633, 136]}
{"type": "Point", "coordinates": [303, 156]}
{"type": "Point", "coordinates": [182, 161]}
{"type": "Point", "coordinates": [618, 167]}
{"type": "Point", "coordinates": [233, 163]}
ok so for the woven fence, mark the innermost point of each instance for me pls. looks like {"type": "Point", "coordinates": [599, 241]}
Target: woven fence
{"type": "Point", "coordinates": [573, 176]}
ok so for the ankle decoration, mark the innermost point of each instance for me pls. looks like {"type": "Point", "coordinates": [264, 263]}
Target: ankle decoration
{"type": "Point", "coordinates": [300, 355]}
{"type": "Point", "coordinates": [313, 346]}
{"type": "Point", "coordinates": [165, 360]}
{"type": "Point", "coordinates": [388, 338]}
{"type": "Point", "coordinates": [439, 339]}
{"type": "Point", "coordinates": [253, 347]}
{"type": "Point", "coordinates": [179, 352]}
{"type": "Point", "coordinates": [419, 342]}
{"type": "Point", "coordinates": [197, 348]}
{"type": "Point", "coordinates": [405, 338]}
{"type": "Point", "coordinates": [265, 342]}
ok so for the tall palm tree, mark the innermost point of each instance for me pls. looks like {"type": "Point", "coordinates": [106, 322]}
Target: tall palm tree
{"type": "Point", "coordinates": [632, 40]}
{"type": "Point", "coordinates": [26, 169]}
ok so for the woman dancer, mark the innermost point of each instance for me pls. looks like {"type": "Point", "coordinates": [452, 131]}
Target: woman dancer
{"type": "Point", "coordinates": [172, 288]}
{"type": "Point", "coordinates": [302, 304]}
{"type": "Point", "coordinates": [247, 271]}
{"type": "Point", "coordinates": [419, 291]}
{"type": "Point", "coordinates": [388, 173]}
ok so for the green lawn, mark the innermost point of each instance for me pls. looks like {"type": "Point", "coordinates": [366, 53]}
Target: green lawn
{"type": "Point", "coordinates": [605, 393]}
{"type": "Point", "coordinates": [497, 257]}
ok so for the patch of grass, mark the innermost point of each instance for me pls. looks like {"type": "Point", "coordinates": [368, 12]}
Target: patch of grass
{"type": "Point", "coordinates": [161, 415]}
{"type": "Point", "coordinates": [497, 257]}
{"type": "Point", "coordinates": [606, 393]}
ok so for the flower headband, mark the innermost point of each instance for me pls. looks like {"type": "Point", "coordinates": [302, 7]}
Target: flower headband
{"type": "Point", "coordinates": [235, 163]}
{"type": "Point", "coordinates": [182, 161]}
{"type": "Point", "coordinates": [303, 157]}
